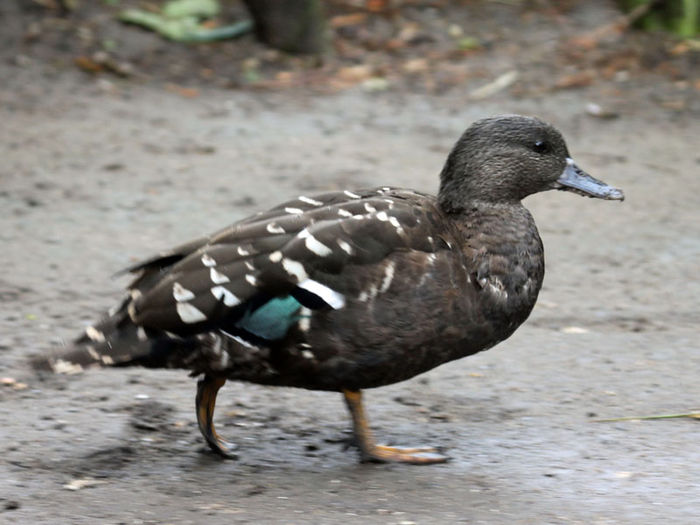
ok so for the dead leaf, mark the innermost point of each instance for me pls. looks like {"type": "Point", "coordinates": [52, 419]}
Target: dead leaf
{"type": "Point", "coordinates": [575, 80]}
{"type": "Point", "coordinates": [88, 64]}
{"type": "Point", "coordinates": [182, 91]}
{"type": "Point", "coordinates": [377, 6]}
{"type": "Point", "coordinates": [680, 49]}
{"type": "Point", "coordinates": [355, 73]}
{"type": "Point", "coordinates": [347, 20]}
{"type": "Point", "coordinates": [499, 84]}
{"type": "Point", "coordinates": [415, 65]}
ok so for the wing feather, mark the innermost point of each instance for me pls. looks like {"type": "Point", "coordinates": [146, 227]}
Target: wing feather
{"type": "Point", "coordinates": [271, 254]}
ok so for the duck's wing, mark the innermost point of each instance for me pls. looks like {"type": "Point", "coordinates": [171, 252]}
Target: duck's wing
{"type": "Point", "coordinates": [288, 252]}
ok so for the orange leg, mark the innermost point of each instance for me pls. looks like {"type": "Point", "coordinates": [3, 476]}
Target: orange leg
{"type": "Point", "coordinates": [370, 451]}
{"type": "Point", "coordinates": [207, 388]}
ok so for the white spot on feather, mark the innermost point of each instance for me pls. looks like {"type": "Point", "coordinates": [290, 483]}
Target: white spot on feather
{"type": "Point", "coordinates": [208, 260]}
{"type": "Point", "coordinates": [276, 256]}
{"type": "Point", "coordinates": [131, 310]}
{"type": "Point", "coordinates": [217, 277]}
{"type": "Point", "coordinates": [368, 294]}
{"type": "Point", "coordinates": [295, 269]}
{"type": "Point", "coordinates": [224, 358]}
{"type": "Point", "coordinates": [494, 286]}
{"type": "Point", "coordinates": [225, 295]}
{"type": "Point", "coordinates": [345, 246]}
{"type": "Point", "coordinates": [273, 227]}
{"type": "Point", "coordinates": [344, 213]}
{"type": "Point", "coordinates": [242, 251]}
{"type": "Point", "coordinates": [141, 334]}
{"type": "Point", "coordinates": [107, 359]}
{"type": "Point", "coordinates": [382, 216]}
{"type": "Point", "coordinates": [251, 279]}
{"type": "Point", "coordinates": [329, 296]}
{"type": "Point", "coordinates": [351, 194]}
{"type": "Point", "coordinates": [498, 292]}
{"type": "Point", "coordinates": [249, 265]}
{"type": "Point", "coordinates": [370, 208]}
{"type": "Point", "coordinates": [294, 211]}
{"type": "Point", "coordinates": [309, 200]}
{"type": "Point", "coordinates": [61, 366]}
{"type": "Point", "coordinates": [182, 294]}
{"type": "Point", "coordinates": [94, 334]}
{"type": "Point", "coordinates": [304, 319]}
{"type": "Point", "coordinates": [388, 276]}
{"type": "Point", "coordinates": [396, 224]}
{"type": "Point", "coordinates": [189, 314]}
{"type": "Point", "coordinates": [308, 354]}
{"type": "Point", "coordinates": [239, 340]}
{"type": "Point", "coordinates": [93, 353]}
{"type": "Point", "coordinates": [313, 244]}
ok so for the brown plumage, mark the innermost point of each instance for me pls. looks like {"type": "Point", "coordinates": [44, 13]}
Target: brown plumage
{"type": "Point", "coordinates": [351, 289]}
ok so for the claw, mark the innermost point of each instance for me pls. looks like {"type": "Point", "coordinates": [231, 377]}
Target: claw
{"type": "Point", "coordinates": [207, 388]}
{"type": "Point", "coordinates": [371, 452]}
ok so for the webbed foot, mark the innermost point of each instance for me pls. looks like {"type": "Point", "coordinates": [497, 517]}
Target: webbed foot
{"type": "Point", "coordinates": [371, 452]}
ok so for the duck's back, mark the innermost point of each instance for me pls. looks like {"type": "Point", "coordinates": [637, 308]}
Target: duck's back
{"type": "Point", "coordinates": [345, 290]}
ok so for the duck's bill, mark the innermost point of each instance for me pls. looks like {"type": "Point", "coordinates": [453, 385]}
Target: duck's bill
{"type": "Point", "coordinates": [575, 179]}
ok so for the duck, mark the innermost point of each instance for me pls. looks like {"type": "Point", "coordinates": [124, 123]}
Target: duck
{"type": "Point", "coordinates": [349, 290]}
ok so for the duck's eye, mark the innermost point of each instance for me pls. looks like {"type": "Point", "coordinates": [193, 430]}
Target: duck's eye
{"type": "Point", "coordinates": [540, 147]}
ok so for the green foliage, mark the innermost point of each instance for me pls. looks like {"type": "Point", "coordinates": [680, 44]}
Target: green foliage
{"type": "Point", "coordinates": [681, 17]}
{"type": "Point", "coordinates": [181, 20]}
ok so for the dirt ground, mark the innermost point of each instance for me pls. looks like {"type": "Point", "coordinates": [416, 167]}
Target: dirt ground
{"type": "Point", "coordinates": [98, 171]}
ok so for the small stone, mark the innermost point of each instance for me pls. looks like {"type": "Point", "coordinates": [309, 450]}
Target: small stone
{"type": "Point", "coordinates": [598, 111]}
{"type": "Point", "coordinates": [574, 330]}
{"type": "Point", "coordinates": [375, 84]}
{"type": "Point", "coordinates": [77, 484]}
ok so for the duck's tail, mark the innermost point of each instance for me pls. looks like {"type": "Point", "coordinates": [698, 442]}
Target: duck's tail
{"type": "Point", "coordinates": [117, 341]}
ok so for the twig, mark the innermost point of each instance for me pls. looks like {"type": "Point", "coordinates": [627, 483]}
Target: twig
{"type": "Point", "coordinates": [690, 415]}
{"type": "Point", "coordinates": [621, 24]}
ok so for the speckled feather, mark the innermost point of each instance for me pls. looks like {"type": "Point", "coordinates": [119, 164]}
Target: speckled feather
{"type": "Point", "coordinates": [417, 293]}
{"type": "Point", "coordinates": [351, 289]}
{"type": "Point", "coordinates": [270, 254]}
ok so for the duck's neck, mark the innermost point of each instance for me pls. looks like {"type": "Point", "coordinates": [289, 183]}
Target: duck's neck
{"type": "Point", "coordinates": [497, 223]}
{"type": "Point", "coordinates": [506, 254]}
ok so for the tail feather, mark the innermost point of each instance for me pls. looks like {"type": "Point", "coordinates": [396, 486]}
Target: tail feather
{"type": "Point", "coordinates": [117, 341]}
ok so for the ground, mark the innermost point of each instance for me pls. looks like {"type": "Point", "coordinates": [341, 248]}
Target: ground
{"type": "Point", "coordinates": [99, 171]}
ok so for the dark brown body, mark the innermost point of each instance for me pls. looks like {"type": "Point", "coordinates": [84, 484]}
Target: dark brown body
{"type": "Point", "coordinates": [350, 289]}
{"type": "Point", "coordinates": [460, 300]}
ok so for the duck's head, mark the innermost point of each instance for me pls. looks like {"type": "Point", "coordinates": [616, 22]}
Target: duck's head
{"type": "Point", "coordinates": [506, 158]}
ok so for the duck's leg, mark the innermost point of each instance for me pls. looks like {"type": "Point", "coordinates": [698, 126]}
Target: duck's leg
{"type": "Point", "coordinates": [370, 451]}
{"type": "Point", "coordinates": [207, 388]}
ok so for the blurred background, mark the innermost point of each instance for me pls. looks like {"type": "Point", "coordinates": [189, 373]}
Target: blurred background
{"type": "Point", "coordinates": [130, 126]}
